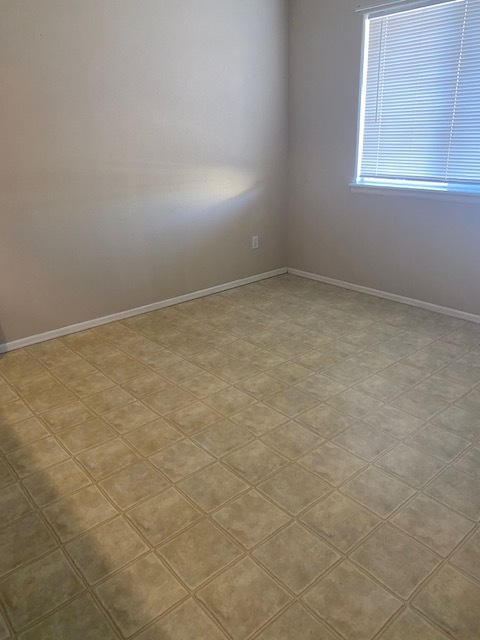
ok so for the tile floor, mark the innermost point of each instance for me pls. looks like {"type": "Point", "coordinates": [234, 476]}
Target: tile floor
{"type": "Point", "coordinates": [281, 461]}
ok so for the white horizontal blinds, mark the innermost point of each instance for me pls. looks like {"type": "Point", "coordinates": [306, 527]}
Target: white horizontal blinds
{"type": "Point", "coordinates": [422, 95]}
{"type": "Point", "coordinates": [464, 157]}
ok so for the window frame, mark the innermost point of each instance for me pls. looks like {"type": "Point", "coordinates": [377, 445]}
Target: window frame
{"type": "Point", "coordinates": [452, 192]}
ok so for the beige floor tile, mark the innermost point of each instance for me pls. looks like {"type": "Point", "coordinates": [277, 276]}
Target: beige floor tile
{"type": "Point", "coordinates": [419, 404]}
{"type": "Point", "coordinates": [261, 386]}
{"type": "Point", "coordinates": [59, 358]}
{"type": "Point", "coordinates": [325, 420]}
{"type": "Point", "coordinates": [380, 388]}
{"type": "Point", "coordinates": [203, 385]}
{"type": "Point", "coordinates": [294, 488]}
{"type": "Point", "coordinates": [333, 464]}
{"type": "Point", "coordinates": [132, 484]}
{"type": "Point", "coordinates": [49, 582]}
{"type": "Point", "coordinates": [259, 418]}
{"type": "Point", "coordinates": [395, 422]}
{"type": "Point", "coordinates": [88, 434]}
{"type": "Point", "coordinates": [199, 553]}
{"type": "Point", "coordinates": [35, 384]}
{"type": "Point", "coordinates": [75, 514]}
{"type": "Point", "coordinates": [410, 465]}
{"type": "Point", "coordinates": [410, 626]}
{"type": "Point", "coordinates": [437, 442]}
{"type": "Point", "coordinates": [6, 476]}
{"type": "Point", "coordinates": [378, 491]}
{"type": "Point", "coordinates": [170, 399]}
{"type": "Point", "coordinates": [433, 524]}
{"type": "Point", "coordinates": [289, 348]}
{"type": "Point", "coordinates": [50, 399]}
{"type": "Point", "coordinates": [451, 600]}
{"type": "Point", "coordinates": [243, 598]}
{"type": "Point", "coordinates": [194, 418]}
{"type": "Point", "coordinates": [66, 417]}
{"type": "Point", "coordinates": [153, 437]}
{"type": "Point", "coordinates": [395, 560]}
{"type": "Point", "coordinates": [14, 412]}
{"type": "Point", "coordinates": [27, 368]}
{"type": "Point", "coordinates": [23, 541]}
{"type": "Point", "coordinates": [470, 461]}
{"type": "Point", "coordinates": [213, 359]}
{"type": "Point", "coordinates": [106, 549]}
{"type": "Point", "coordinates": [467, 557]}
{"type": "Point", "coordinates": [93, 383]}
{"type": "Point", "coordinates": [352, 603]}
{"type": "Point", "coordinates": [80, 619]}
{"type": "Point", "coordinates": [460, 422]}
{"type": "Point", "coordinates": [146, 385]}
{"type": "Point", "coordinates": [21, 433]}
{"type": "Point", "coordinates": [155, 591]}
{"type": "Point", "coordinates": [321, 387]}
{"type": "Point", "coordinates": [212, 487]}
{"type": "Point", "coordinates": [255, 461]}
{"type": "Point", "coordinates": [109, 358]}
{"type": "Point", "coordinates": [293, 624]}
{"type": "Point", "coordinates": [222, 437]}
{"type": "Point", "coordinates": [180, 460]}
{"type": "Point", "coordinates": [339, 349]}
{"type": "Point", "coordinates": [235, 371]}
{"type": "Point", "coordinates": [184, 623]}
{"type": "Point", "coordinates": [365, 441]}
{"type": "Point", "coordinates": [181, 371]}
{"type": "Point", "coordinates": [108, 400]}
{"type": "Point", "coordinates": [291, 373]}
{"type": "Point", "coordinates": [470, 402]}
{"type": "Point", "coordinates": [427, 361]}
{"type": "Point", "coordinates": [461, 373]}
{"type": "Point", "coordinates": [394, 348]}
{"type": "Point", "coordinates": [56, 481]}
{"type": "Point", "coordinates": [292, 402]}
{"type": "Point", "coordinates": [130, 417]}
{"type": "Point", "coordinates": [36, 456]}
{"type": "Point", "coordinates": [292, 439]}
{"type": "Point", "coordinates": [107, 458]}
{"type": "Point", "coordinates": [250, 519]}
{"type": "Point", "coordinates": [228, 401]}
{"type": "Point", "coordinates": [458, 491]}
{"type": "Point", "coordinates": [238, 349]}
{"type": "Point", "coordinates": [340, 521]}
{"type": "Point", "coordinates": [162, 516]}
{"type": "Point", "coordinates": [296, 557]}
{"type": "Point", "coordinates": [264, 360]}
{"type": "Point", "coordinates": [348, 373]}
{"type": "Point", "coordinates": [127, 371]}
{"type": "Point", "coordinates": [316, 360]}
{"type": "Point", "coordinates": [354, 403]}
{"type": "Point", "coordinates": [448, 390]}
{"type": "Point", "coordinates": [404, 374]}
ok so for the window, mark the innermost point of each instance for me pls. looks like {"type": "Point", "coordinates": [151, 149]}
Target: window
{"type": "Point", "coordinates": [420, 100]}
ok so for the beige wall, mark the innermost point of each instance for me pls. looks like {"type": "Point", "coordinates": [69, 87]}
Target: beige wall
{"type": "Point", "coordinates": [143, 143]}
{"type": "Point", "coordinates": [419, 248]}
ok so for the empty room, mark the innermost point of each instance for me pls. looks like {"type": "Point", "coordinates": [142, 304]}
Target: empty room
{"type": "Point", "coordinates": [239, 320]}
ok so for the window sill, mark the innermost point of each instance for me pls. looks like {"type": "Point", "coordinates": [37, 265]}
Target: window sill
{"type": "Point", "coordinates": [417, 192]}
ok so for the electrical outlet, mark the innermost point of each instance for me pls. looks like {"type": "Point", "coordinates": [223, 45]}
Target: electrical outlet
{"type": "Point", "coordinates": [254, 242]}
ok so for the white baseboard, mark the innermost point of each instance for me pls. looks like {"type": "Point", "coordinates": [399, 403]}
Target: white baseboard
{"type": "Point", "coordinates": [122, 315]}
{"type": "Point", "coordinates": [455, 313]}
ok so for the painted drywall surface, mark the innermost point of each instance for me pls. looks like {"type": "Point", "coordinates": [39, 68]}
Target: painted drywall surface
{"type": "Point", "coordinates": [412, 246]}
{"type": "Point", "coordinates": [143, 144]}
